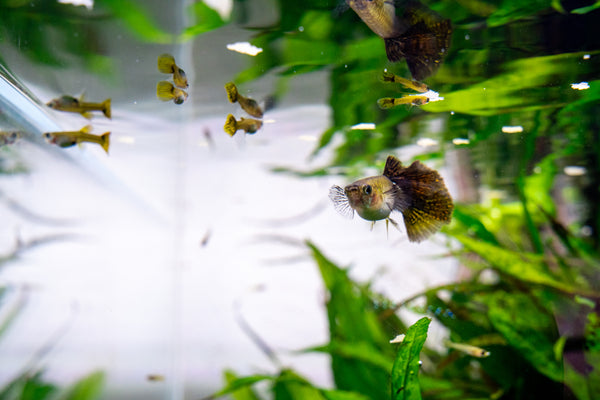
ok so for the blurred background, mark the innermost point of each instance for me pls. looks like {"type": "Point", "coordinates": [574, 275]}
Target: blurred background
{"type": "Point", "coordinates": [186, 263]}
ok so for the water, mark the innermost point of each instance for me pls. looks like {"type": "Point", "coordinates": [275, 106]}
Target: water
{"type": "Point", "coordinates": [155, 251]}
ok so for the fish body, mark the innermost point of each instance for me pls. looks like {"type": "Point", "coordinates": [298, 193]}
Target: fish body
{"type": "Point", "coordinates": [381, 16]}
{"type": "Point", "coordinates": [388, 102]}
{"type": "Point", "coordinates": [71, 138]}
{"type": "Point", "coordinates": [409, 30]}
{"type": "Point", "coordinates": [248, 125]}
{"type": "Point", "coordinates": [8, 138]}
{"type": "Point", "coordinates": [249, 105]}
{"type": "Point", "coordinates": [166, 65]}
{"type": "Point", "coordinates": [473, 351]}
{"type": "Point", "coordinates": [416, 191]}
{"type": "Point", "coordinates": [420, 87]}
{"type": "Point", "coordinates": [165, 91]}
{"type": "Point", "coordinates": [72, 104]}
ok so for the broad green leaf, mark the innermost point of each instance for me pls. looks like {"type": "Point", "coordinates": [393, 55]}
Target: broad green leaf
{"type": "Point", "coordinates": [87, 388]}
{"type": "Point", "coordinates": [405, 373]}
{"type": "Point", "coordinates": [513, 10]}
{"type": "Point", "coordinates": [244, 390]}
{"type": "Point", "coordinates": [525, 266]}
{"type": "Point", "coordinates": [358, 351]}
{"type": "Point", "coordinates": [137, 20]}
{"type": "Point", "coordinates": [354, 327]}
{"type": "Point", "coordinates": [236, 385]}
{"type": "Point", "coordinates": [28, 386]}
{"type": "Point", "coordinates": [527, 328]}
{"type": "Point", "coordinates": [343, 395]}
{"type": "Point", "coordinates": [206, 20]}
{"type": "Point", "coordinates": [290, 386]}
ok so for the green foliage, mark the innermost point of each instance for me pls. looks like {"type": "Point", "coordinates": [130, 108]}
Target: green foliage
{"type": "Point", "coordinates": [405, 373]}
{"type": "Point", "coordinates": [205, 20]}
{"type": "Point", "coordinates": [87, 388]}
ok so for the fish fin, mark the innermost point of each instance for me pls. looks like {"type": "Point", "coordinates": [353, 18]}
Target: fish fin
{"type": "Point", "coordinates": [86, 114]}
{"type": "Point", "coordinates": [106, 108]}
{"type": "Point", "coordinates": [340, 201]}
{"type": "Point", "coordinates": [419, 225]}
{"type": "Point", "coordinates": [166, 63]}
{"type": "Point", "coordinates": [232, 92]}
{"type": "Point", "coordinates": [423, 199]}
{"type": "Point", "coordinates": [394, 49]}
{"type": "Point", "coordinates": [230, 125]}
{"type": "Point", "coordinates": [393, 167]}
{"type": "Point", "coordinates": [340, 8]}
{"type": "Point", "coordinates": [86, 129]}
{"type": "Point", "coordinates": [424, 47]}
{"type": "Point", "coordinates": [105, 137]}
{"type": "Point", "coordinates": [164, 91]}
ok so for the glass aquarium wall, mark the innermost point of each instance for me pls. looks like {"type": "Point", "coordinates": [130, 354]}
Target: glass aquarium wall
{"type": "Point", "coordinates": [269, 199]}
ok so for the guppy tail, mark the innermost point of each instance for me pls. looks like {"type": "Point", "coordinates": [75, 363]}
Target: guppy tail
{"type": "Point", "coordinates": [166, 63]}
{"type": "Point", "coordinates": [230, 125]}
{"type": "Point", "coordinates": [105, 142]}
{"type": "Point", "coordinates": [164, 91]}
{"type": "Point", "coordinates": [232, 93]}
{"type": "Point", "coordinates": [106, 108]}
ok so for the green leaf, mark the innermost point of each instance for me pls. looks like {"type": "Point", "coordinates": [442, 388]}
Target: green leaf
{"type": "Point", "coordinates": [137, 20]}
{"type": "Point", "coordinates": [405, 373]}
{"type": "Point", "coordinates": [343, 395]}
{"type": "Point", "coordinates": [528, 329]}
{"type": "Point", "coordinates": [87, 388]}
{"type": "Point", "coordinates": [358, 351]}
{"type": "Point", "coordinates": [239, 386]}
{"type": "Point", "coordinates": [525, 266]}
{"type": "Point", "coordinates": [27, 386]}
{"type": "Point", "coordinates": [244, 391]}
{"type": "Point", "coordinates": [291, 386]}
{"type": "Point", "coordinates": [355, 330]}
{"type": "Point", "coordinates": [207, 20]}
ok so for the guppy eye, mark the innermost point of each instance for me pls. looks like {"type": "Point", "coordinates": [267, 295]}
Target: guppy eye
{"type": "Point", "coordinates": [367, 189]}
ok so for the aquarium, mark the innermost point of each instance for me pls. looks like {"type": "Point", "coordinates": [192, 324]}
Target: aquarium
{"type": "Point", "coordinates": [270, 199]}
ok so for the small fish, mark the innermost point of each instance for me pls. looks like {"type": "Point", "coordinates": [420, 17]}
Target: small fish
{"type": "Point", "coordinates": [388, 77]}
{"type": "Point", "coordinates": [416, 191]}
{"type": "Point", "coordinates": [71, 138]}
{"type": "Point", "coordinates": [71, 104]}
{"type": "Point", "coordinates": [410, 30]}
{"type": "Point", "coordinates": [155, 378]}
{"type": "Point", "coordinates": [165, 91]}
{"type": "Point", "coordinates": [249, 125]}
{"type": "Point", "coordinates": [8, 138]}
{"type": "Point", "coordinates": [166, 65]}
{"type": "Point", "coordinates": [473, 351]}
{"type": "Point", "coordinates": [388, 102]}
{"type": "Point", "coordinates": [249, 105]}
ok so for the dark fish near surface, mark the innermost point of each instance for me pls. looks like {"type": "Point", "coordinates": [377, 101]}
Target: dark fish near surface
{"type": "Point", "coordinates": [166, 65]}
{"type": "Point", "coordinates": [249, 125]}
{"type": "Point", "coordinates": [71, 138]}
{"type": "Point", "coordinates": [249, 105]}
{"type": "Point", "coordinates": [416, 191]}
{"type": "Point", "coordinates": [165, 91]}
{"type": "Point", "coordinates": [71, 104]}
{"type": "Point", "coordinates": [410, 30]}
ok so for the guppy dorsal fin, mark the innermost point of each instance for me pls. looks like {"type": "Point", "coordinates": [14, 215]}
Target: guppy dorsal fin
{"type": "Point", "coordinates": [393, 167]}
